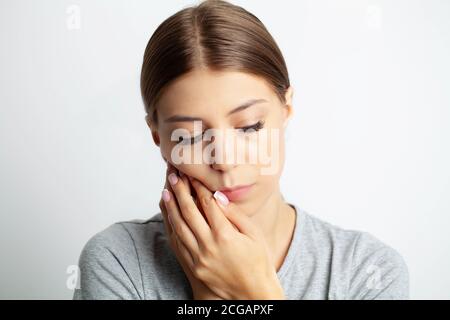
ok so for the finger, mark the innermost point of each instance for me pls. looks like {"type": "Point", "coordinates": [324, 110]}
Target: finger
{"type": "Point", "coordinates": [186, 180]}
{"type": "Point", "coordinates": [163, 209]}
{"type": "Point", "coordinates": [167, 226]}
{"type": "Point", "coordinates": [242, 222]}
{"type": "Point", "coordinates": [183, 255]}
{"type": "Point", "coordinates": [189, 210]}
{"type": "Point", "coordinates": [213, 213]}
{"type": "Point", "coordinates": [207, 240]}
{"type": "Point", "coordinates": [186, 256]}
{"type": "Point", "coordinates": [179, 226]}
{"type": "Point", "coordinates": [190, 188]}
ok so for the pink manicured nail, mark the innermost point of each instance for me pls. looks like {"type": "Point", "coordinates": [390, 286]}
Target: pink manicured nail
{"type": "Point", "coordinates": [166, 195]}
{"type": "Point", "coordinates": [221, 198]}
{"type": "Point", "coordinates": [173, 179]}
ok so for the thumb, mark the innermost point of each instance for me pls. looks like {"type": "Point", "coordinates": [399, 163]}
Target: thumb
{"type": "Point", "coordinates": [238, 219]}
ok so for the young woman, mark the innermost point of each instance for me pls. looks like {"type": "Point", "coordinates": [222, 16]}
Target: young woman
{"type": "Point", "coordinates": [225, 230]}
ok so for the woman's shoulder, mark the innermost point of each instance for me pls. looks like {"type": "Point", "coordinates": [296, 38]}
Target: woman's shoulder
{"type": "Point", "coordinates": [360, 254]}
{"type": "Point", "coordinates": [111, 262]}
{"type": "Point", "coordinates": [127, 234]}
{"type": "Point", "coordinates": [357, 242]}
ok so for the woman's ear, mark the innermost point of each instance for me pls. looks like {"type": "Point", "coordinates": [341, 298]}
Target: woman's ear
{"type": "Point", "coordinates": [153, 129]}
{"type": "Point", "coordinates": [288, 109]}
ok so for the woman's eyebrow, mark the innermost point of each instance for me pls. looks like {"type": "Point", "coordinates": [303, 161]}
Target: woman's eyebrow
{"type": "Point", "coordinates": [245, 105]}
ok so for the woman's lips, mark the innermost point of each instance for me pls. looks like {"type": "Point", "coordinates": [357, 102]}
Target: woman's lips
{"type": "Point", "coordinates": [237, 193]}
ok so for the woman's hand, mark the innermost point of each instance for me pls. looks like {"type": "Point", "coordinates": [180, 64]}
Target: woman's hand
{"type": "Point", "coordinates": [199, 290]}
{"type": "Point", "coordinates": [226, 252]}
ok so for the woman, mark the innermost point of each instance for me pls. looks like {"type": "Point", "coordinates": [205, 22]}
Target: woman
{"type": "Point", "coordinates": [224, 230]}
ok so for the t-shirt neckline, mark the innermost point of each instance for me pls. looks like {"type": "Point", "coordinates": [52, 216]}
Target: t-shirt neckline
{"type": "Point", "coordinates": [295, 243]}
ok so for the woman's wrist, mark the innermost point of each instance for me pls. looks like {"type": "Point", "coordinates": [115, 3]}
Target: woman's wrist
{"type": "Point", "coordinates": [270, 289]}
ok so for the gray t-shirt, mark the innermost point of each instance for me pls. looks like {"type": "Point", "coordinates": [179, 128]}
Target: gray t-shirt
{"type": "Point", "coordinates": [133, 260]}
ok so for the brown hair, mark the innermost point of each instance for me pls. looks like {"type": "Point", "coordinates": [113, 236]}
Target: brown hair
{"type": "Point", "coordinates": [214, 34]}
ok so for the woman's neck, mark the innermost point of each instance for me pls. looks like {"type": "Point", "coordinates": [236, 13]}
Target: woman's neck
{"type": "Point", "coordinates": [276, 219]}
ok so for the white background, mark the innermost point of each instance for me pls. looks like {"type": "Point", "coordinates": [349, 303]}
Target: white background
{"type": "Point", "coordinates": [368, 147]}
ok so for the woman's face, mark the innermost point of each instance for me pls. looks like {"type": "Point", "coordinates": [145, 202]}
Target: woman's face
{"type": "Point", "coordinates": [247, 148]}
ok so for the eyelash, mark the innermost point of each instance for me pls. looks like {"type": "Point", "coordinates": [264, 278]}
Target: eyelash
{"type": "Point", "coordinates": [256, 127]}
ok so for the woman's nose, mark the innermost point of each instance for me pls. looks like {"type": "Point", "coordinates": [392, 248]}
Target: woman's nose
{"type": "Point", "coordinates": [224, 167]}
{"type": "Point", "coordinates": [223, 157]}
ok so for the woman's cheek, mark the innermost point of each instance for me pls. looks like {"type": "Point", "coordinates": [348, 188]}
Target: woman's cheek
{"type": "Point", "coordinates": [196, 171]}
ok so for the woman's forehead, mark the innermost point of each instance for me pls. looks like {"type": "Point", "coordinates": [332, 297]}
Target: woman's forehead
{"type": "Point", "coordinates": [213, 91]}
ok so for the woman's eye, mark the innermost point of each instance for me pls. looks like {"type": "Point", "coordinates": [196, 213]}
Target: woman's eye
{"type": "Point", "coordinates": [254, 127]}
{"type": "Point", "coordinates": [193, 140]}
{"type": "Point", "coordinates": [189, 140]}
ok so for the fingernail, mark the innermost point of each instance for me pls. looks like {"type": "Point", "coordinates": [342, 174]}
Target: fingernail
{"type": "Point", "coordinates": [173, 178]}
{"type": "Point", "coordinates": [166, 195]}
{"type": "Point", "coordinates": [221, 198]}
